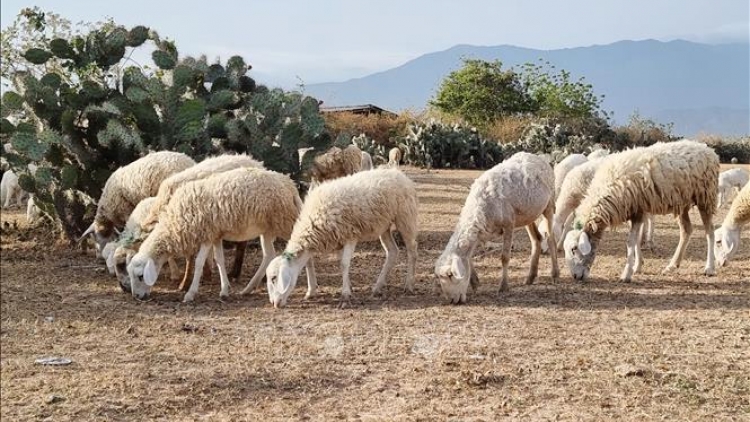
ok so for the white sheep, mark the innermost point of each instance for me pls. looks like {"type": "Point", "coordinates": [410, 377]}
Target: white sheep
{"type": "Point", "coordinates": [335, 163]}
{"type": "Point", "coordinates": [366, 161]}
{"type": "Point", "coordinates": [727, 237]}
{"type": "Point", "coordinates": [729, 180]}
{"type": "Point", "coordinates": [512, 194]}
{"type": "Point", "coordinates": [128, 186]}
{"type": "Point", "coordinates": [235, 205]}
{"type": "Point", "coordinates": [340, 213]}
{"type": "Point", "coordinates": [10, 192]}
{"type": "Point", "coordinates": [394, 157]}
{"type": "Point", "coordinates": [663, 178]}
{"type": "Point", "coordinates": [571, 194]}
{"type": "Point", "coordinates": [32, 210]}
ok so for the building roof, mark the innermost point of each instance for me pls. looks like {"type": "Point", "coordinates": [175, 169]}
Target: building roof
{"type": "Point", "coordinates": [357, 109]}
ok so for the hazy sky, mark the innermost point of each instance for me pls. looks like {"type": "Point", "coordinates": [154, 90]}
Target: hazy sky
{"type": "Point", "coordinates": [334, 40]}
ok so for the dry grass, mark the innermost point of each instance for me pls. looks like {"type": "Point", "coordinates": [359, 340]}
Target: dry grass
{"type": "Point", "coordinates": [673, 347]}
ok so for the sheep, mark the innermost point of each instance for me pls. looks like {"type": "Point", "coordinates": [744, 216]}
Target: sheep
{"type": "Point", "coordinates": [663, 178]}
{"type": "Point", "coordinates": [32, 210]}
{"type": "Point", "coordinates": [366, 163]}
{"type": "Point", "coordinates": [10, 192]}
{"type": "Point", "coordinates": [338, 214]}
{"type": "Point", "coordinates": [734, 160]}
{"type": "Point", "coordinates": [236, 205]}
{"type": "Point", "coordinates": [729, 180]}
{"type": "Point", "coordinates": [571, 194]}
{"type": "Point", "coordinates": [727, 237]}
{"type": "Point", "coordinates": [127, 186]}
{"type": "Point", "coordinates": [512, 194]}
{"type": "Point", "coordinates": [335, 163]}
{"type": "Point", "coordinates": [394, 157]}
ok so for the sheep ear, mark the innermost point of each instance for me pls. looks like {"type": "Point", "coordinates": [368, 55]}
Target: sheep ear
{"type": "Point", "coordinates": [584, 246]}
{"type": "Point", "coordinates": [457, 268]}
{"type": "Point", "coordinates": [150, 273]}
{"type": "Point", "coordinates": [87, 232]}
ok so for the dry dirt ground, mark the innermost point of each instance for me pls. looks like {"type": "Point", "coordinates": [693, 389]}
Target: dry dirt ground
{"type": "Point", "coordinates": [665, 347]}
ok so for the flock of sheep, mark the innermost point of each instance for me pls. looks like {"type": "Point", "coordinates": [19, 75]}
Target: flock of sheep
{"type": "Point", "coordinates": [165, 207]}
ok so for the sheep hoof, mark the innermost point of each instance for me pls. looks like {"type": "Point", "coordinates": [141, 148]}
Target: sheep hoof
{"type": "Point", "coordinates": [224, 295]}
{"type": "Point", "coordinates": [345, 302]}
{"type": "Point", "coordinates": [188, 298]}
{"type": "Point", "coordinates": [624, 280]}
{"type": "Point", "coordinates": [310, 294]}
{"type": "Point", "coordinates": [378, 293]}
{"type": "Point", "coordinates": [669, 268]}
{"type": "Point", "coordinates": [529, 280]}
{"type": "Point", "coordinates": [503, 288]}
{"type": "Point", "coordinates": [709, 272]}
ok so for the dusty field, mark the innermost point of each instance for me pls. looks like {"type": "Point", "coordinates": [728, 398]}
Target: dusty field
{"type": "Point", "coordinates": [673, 347]}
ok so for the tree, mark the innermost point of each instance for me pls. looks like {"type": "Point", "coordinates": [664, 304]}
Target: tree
{"type": "Point", "coordinates": [557, 95]}
{"type": "Point", "coordinates": [481, 92]}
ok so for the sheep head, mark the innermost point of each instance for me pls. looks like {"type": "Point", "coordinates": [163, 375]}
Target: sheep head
{"type": "Point", "coordinates": [726, 242]}
{"type": "Point", "coordinates": [580, 251]}
{"type": "Point", "coordinates": [453, 275]}
{"type": "Point", "coordinates": [281, 276]}
{"type": "Point", "coordinates": [143, 271]}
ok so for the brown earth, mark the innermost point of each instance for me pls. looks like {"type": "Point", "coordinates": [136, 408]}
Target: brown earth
{"type": "Point", "coordinates": [665, 347]}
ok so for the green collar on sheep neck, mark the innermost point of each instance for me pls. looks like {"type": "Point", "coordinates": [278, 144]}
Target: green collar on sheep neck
{"type": "Point", "coordinates": [288, 255]}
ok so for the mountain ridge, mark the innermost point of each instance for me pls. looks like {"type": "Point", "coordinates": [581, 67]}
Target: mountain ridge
{"type": "Point", "coordinates": [658, 79]}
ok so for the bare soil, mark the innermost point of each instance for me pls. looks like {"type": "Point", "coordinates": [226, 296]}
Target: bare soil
{"type": "Point", "coordinates": [664, 347]}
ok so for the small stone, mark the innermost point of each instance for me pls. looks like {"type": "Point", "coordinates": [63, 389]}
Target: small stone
{"type": "Point", "coordinates": [54, 398]}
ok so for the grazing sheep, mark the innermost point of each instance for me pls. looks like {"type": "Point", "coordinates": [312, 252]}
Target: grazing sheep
{"type": "Point", "coordinates": [235, 205]}
{"type": "Point", "coordinates": [566, 165]}
{"type": "Point", "coordinates": [728, 235]}
{"type": "Point", "coordinates": [571, 194]}
{"type": "Point", "coordinates": [394, 157]}
{"type": "Point", "coordinates": [512, 194]}
{"type": "Point", "coordinates": [128, 186]}
{"type": "Point", "coordinates": [335, 163]}
{"type": "Point", "coordinates": [366, 161]}
{"type": "Point", "coordinates": [340, 213]}
{"type": "Point", "coordinates": [660, 179]}
{"type": "Point", "coordinates": [729, 180]}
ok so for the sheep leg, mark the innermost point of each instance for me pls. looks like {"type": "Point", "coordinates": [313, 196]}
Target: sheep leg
{"type": "Point", "coordinates": [269, 253]}
{"type": "Point", "coordinates": [707, 218]}
{"type": "Point", "coordinates": [312, 279]}
{"type": "Point", "coordinates": [391, 256]}
{"type": "Point", "coordinates": [647, 233]}
{"type": "Point", "coordinates": [685, 230]}
{"type": "Point", "coordinates": [555, 271]}
{"type": "Point", "coordinates": [239, 258]}
{"type": "Point", "coordinates": [189, 268]}
{"type": "Point", "coordinates": [505, 256]}
{"type": "Point", "coordinates": [536, 246]}
{"type": "Point", "coordinates": [346, 258]}
{"type": "Point", "coordinates": [200, 260]}
{"type": "Point", "coordinates": [567, 225]}
{"type": "Point", "coordinates": [633, 250]}
{"type": "Point", "coordinates": [221, 265]}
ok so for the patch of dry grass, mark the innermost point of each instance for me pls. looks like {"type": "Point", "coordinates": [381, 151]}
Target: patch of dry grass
{"type": "Point", "coordinates": [667, 347]}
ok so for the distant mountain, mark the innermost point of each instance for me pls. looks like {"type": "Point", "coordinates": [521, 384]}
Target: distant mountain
{"type": "Point", "coordinates": [699, 87]}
